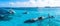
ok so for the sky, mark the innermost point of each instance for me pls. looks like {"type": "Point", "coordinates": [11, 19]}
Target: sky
{"type": "Point", "coordinates": [29, 3]}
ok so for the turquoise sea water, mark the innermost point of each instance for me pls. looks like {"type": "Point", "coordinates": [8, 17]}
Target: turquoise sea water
{"type": "Point", "coordinates": [19, 17]}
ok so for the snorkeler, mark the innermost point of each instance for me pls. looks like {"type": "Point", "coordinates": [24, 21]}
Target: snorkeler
{"type": "Point", "coordinates": [50, 16]}
{"type": "Point", "coordinates": [26, 12]}
{"type": "Point", "coordinates": [12, 11]}
{"type": "Point", "coordinates": [31, 20]}
{"type": "Point", "coordinates": [40, 18]}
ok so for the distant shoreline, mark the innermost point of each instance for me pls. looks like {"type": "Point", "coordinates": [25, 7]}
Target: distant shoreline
{"type": "Point", "coordinates": [30, 7]}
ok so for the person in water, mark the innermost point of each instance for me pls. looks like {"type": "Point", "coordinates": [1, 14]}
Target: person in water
{"type": "Point", "coordinates": [40, 18]}
{"type": "Point", "coordinates": [26, 12]}
{"type": "Point", "coordinates": [30, 21]}
{"type": "Point", "coordinates": [50, 16]}
{"type": "Point", "coordinates": [33, 20]}
{"type": "Point", "coordinates": [11, 11]}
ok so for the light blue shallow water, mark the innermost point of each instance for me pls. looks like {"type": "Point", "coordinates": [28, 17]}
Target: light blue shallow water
{"type": "Point", "coordinates": [18, 18]}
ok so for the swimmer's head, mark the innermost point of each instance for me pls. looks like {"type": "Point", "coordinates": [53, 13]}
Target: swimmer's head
{"type": "Point", "coordinates": [52, 16]}
{"type": "Point", "coordinates": [40, 18]}
{"type": "Point", "coordinates": [26, 12]}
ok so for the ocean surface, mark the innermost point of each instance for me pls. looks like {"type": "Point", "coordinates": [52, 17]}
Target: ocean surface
{"type": "Point", "coordinates": [19, 17]}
